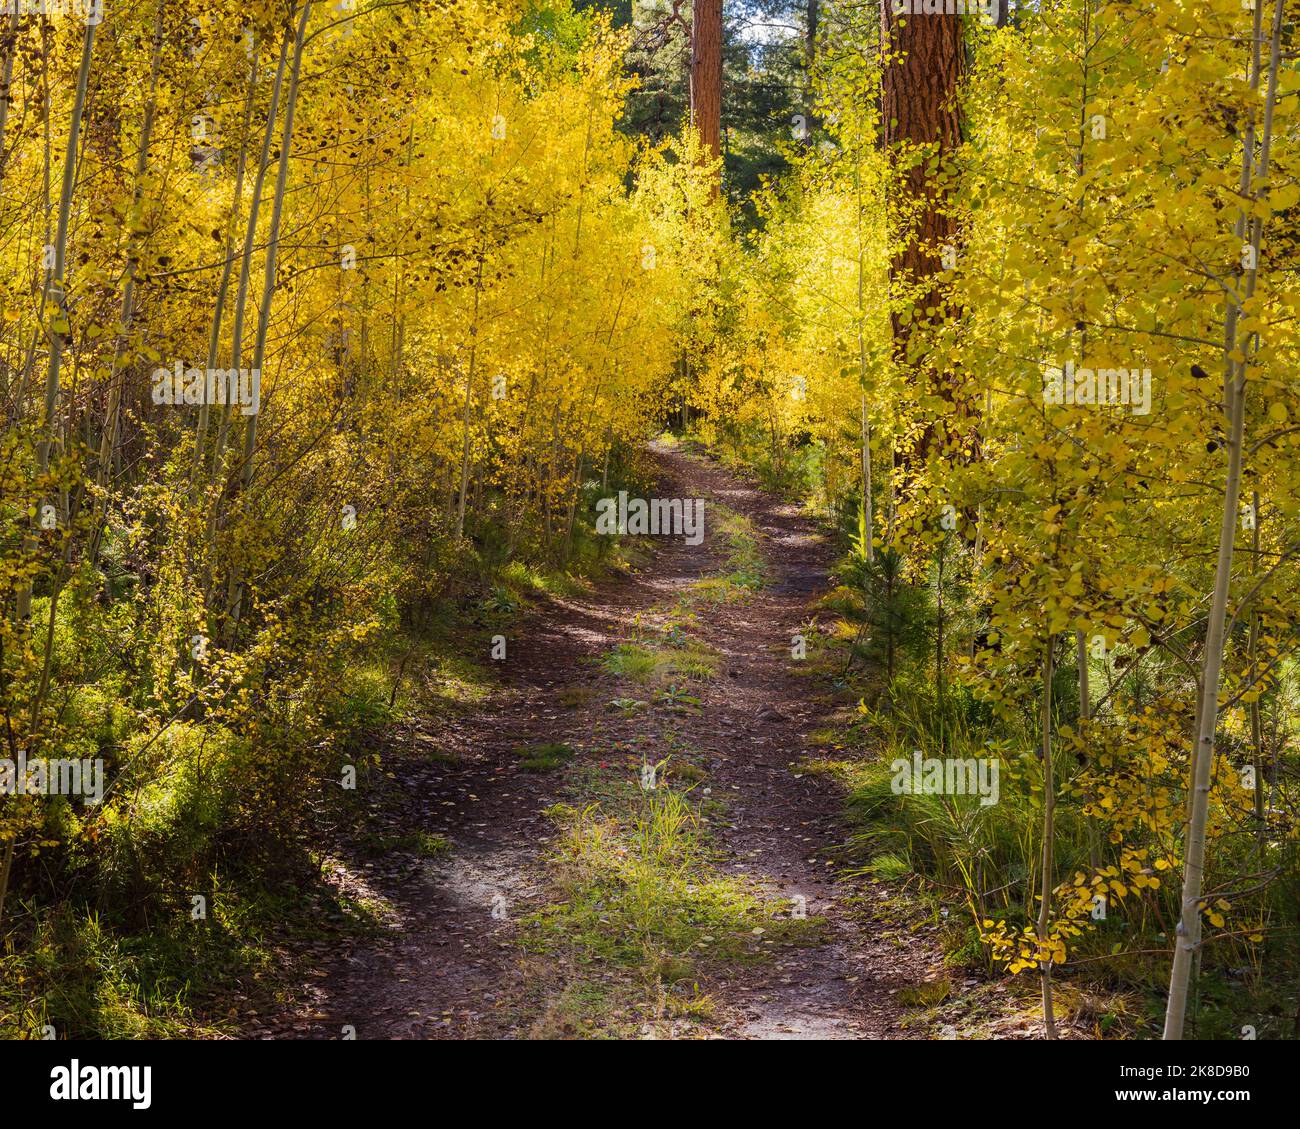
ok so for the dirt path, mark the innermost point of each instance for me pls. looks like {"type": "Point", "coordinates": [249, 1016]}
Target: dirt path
{"type": "Point", "coordinates": [448, 968]}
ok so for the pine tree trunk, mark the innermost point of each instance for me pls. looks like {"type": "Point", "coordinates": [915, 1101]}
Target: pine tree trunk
{"type": "Point", "coordinates": [923, 66]}
{"type": "Point", "coordinates": [706, 77]}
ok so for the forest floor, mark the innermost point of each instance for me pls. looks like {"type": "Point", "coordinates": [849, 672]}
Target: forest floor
{"type": "Point", "coordinates": [498, 913]}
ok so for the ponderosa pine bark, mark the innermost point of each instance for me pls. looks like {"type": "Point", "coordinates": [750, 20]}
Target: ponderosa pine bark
{"type": "Point", "coordinates": [706, 77]}
{"type": "Point", "coordinates": [923, 64]}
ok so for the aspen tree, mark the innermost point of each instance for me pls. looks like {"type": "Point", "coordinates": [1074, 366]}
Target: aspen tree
{"type": "Point", "coordinates": [56, 288]}
{"type": "Point", "coordinates": [1255, 170]}
{"type": "Point", "coordinates": [268, 282]}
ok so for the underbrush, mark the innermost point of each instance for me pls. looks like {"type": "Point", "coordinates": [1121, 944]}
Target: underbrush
{"type": "Point", "coordinates": [919, 672]}
{"type": "Point", "coordinates": [145, 915]}
{"type": "Point", "coordinates": [1115, 883]}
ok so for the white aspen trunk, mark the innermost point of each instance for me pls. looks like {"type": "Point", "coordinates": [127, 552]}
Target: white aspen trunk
{"type": "Point", "coordinates": [273, 240]}
{"type": "Point", "coordinates": [55, 288]}
{"type": "Point", "coordinates": [250, 241]}
{"type": "Point", "coordinates": [867, 515]}
{"type": "Point", "coordinates": [469, 401]}
{"type": "Point", "coordinates": [6, 79]}
{"type": "Point", "coordinates": [1188, 934]}
{"type": "Point", "coordinates": [1049, 833]}
{"type": "Point", "coordinates": [227, 270]}
{"type": "Point", "coordinates": [108, 439]}
{"type": "Point", "coordinates": [268, 284]}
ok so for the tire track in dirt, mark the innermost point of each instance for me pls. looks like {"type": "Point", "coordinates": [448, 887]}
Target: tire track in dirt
{"type": "Point", "coordinates": [445, 967]}
{"type": "Point", "coordinates": [781, 823]}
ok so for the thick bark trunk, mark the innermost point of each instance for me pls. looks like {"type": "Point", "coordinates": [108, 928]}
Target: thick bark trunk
{"type": "Point", "coordinates": [706, 76]}
{"type": "Point", "coordinates": [810, 52]}
{"type": "Point", "coordinates": [924, 60]}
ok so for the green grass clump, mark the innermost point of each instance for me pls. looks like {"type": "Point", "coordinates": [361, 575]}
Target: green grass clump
{"type": "Point", "coordinates": [545, 758]}
{"type": "Point", "coordinates": [746, 568]}
{"type": "Point", "coordinates": [422, 843]}
{"type": "Point", "coordinates": [638, 889]}
{"type": "Point", "coordinates": [638, 662]}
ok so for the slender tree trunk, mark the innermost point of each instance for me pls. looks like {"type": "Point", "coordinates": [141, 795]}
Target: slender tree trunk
{"type": "Point", "coordinates": [10, 49]}
{"type": "Point", "coordinates": [268, 283]}
{"type": "Point", "coordinates": [250, 242]}
{"type": "Point", "coordinates": [1085, 715]}
{"type": "Point", "coordinates": [227, 270]}
{"type": "Point", "coordinates": [810, 52]}
{"type": "Point", "coordinates": [469, 400]}
{"type": "Point", "coordinates": [1188, 933]}
{"type": "Point", "coordinates": [938, 649]}
{"type": "Point", "coordinates": [6, 868]}
{"type": "Point", "coordinates": [867, 515]}
{"type": "Point", "coordinates": [1252, 653]}
{"type": "Point", "coordinates": [1085, 682]}
{"type": "Point", "coordinates": [273, 239]}
{"type": "Point", "coordinates": [56, 289]}
{"type": "Point", "coordinates": [1049, 839]}
{"type": "Point", "coordinates": [47, 162]}
{"type": "Point", "coordinates": [108, 439]}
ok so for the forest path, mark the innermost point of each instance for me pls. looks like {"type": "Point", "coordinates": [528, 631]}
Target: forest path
{"type": "Point", "coordinates": [446, 967]}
